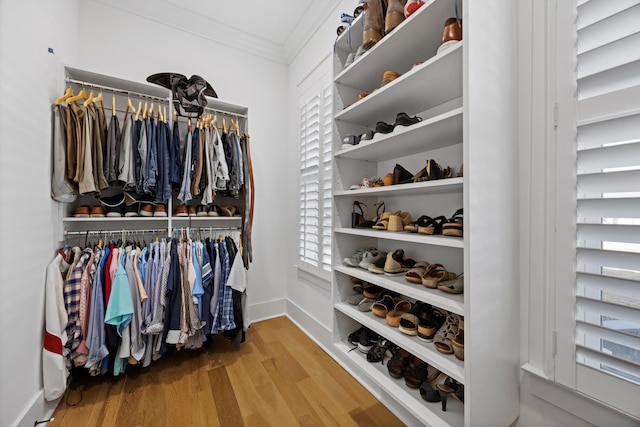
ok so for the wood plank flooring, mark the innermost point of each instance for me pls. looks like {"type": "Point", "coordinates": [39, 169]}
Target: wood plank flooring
{"type": "Point", "coordinates": [279, 377]}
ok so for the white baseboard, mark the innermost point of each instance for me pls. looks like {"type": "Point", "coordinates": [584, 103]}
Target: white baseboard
{"type": "Point", "coordinates": [267, 310]}
{"type": "Point", "coordinates": [39, 409]}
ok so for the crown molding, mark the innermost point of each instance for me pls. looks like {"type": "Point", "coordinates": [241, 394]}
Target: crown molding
{"type": "Point", "coordinates": [173, 16]}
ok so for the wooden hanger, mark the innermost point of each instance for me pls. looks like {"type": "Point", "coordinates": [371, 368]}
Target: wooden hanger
{"type": "Point", "coordinates": [144, 112]}
{"type": "Point", "coordinates": [128, 108]}
{"type": "Point", "coordinates": [214, 122]}
{"type": "Point", "coordinates": [113, 105]}
{"type": "Point", "coordinates": [165, 113]}
{"type": "Point", "coordinates": [224, 125]}
{"type": "Point", "coordinates": [175, 116]}
{"type": "Point", "coordinates": [89, 100]}
{"type": "Point", "coordinates": [160, 118]}
{"type": "Point", "coordinates": [139, 110]}
{"type": "Point", "coordinates": [235, 125]}
{"type": "Point", "coordinates": [99, 99]}
{"type": "Point", "coordinates": [151, 111]}
{"type": "Point", "coordinates": [67, 94]}
{"type": "Point", "coordinates": [81, 95]}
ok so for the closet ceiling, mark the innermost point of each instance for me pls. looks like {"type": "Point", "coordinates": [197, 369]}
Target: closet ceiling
{"type": "Point", "coordinates": [274, 29]}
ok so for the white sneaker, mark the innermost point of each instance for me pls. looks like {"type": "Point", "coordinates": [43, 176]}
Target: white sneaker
{"type": "Point", "coordinates": [370, 257]}
{"type": "Point", "coordinates": [355, 259]}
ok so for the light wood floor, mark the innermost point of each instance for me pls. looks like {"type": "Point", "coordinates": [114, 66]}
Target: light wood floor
{"type": "Point", "coordinates": [279, 377]}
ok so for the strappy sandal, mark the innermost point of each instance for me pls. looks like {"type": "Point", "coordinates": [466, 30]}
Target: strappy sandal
{"type": "Point", "coordinates": [416, 373]}
{"type": "Point", "coordinates": [442, 340]}
{"type": "Point", "coordinates": [401, 307]}
{"type": "Point", "coordinates": [435, 274]}
{"type": "Point", "coordinates": [383, 306]}
{"type": "Point", "coordinates": [370, 223]}
{"type": "Point", "coordinates": [454, 225]}
{"type": "Point", "coordinates": [417, 271]}
{"type": "Point", "coordinates": [379, 350]}
{"type": "Point", "coordinates": [423, 221]}
{"type": "Point", "coordinates": [398, 363]}
{"type": "Point", "coordinates": [432, 226]}
{"type": "Point", "coordinates": [383, 222]}
{"type": "Point", "coordinates": [454, 286]}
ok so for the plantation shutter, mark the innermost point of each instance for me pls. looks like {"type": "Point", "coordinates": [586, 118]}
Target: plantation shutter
{"type": "Point", "coordinates": [608, 195]}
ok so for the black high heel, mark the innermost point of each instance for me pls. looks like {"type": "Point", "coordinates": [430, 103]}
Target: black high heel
{"type": "Point", "coordinates": [370, 223]}
{"type": "Point", "coordinates": [450, 386]}
{"type": "Point", "coordinates": [357, 218]}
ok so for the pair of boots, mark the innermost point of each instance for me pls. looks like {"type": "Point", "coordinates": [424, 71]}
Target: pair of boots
{"type": "Point", "coordinates": [381, 17]}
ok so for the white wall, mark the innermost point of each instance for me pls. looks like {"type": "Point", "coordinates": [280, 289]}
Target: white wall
{"type": "Point", "coordinates": [138, 47]}
{"type": "Point", "coordinates": [29, 81]}
{"type": "Point", "coordinates": [309, 301]}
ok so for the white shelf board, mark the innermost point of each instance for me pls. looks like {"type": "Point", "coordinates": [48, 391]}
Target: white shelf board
{"type": "Point", "coordinates": [405, 236]}
{"type": "Point", "coordinates": [446, 363]}
{"type": "Point", "coordinates": [218, 220]}
{"type": "Point", "coordinates": [450, 302]}
{"type": "Point", "coordinates": [429, 413]}
{"type": "Point", "coordinates": [441, 131]}
{"type": "Point", "coordinates": [115, 223]}
{"type": "Point", "coordinates": [397, 51]}
{"type": "Point", "coordinates": [423, 87]}
{"type": "Point", "coordinates": [441, 186]}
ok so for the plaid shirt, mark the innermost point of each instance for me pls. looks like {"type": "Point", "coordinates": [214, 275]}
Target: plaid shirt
{"type": "Point", "coordinates": [72, 294]}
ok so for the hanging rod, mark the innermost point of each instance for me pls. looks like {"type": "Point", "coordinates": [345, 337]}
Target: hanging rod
{"type": "Point", "coordinates": [115, 90]}
{"type": "Point", "coordinates": [226, 113]}
{"type": "Point", "coordinates": [126, 231]}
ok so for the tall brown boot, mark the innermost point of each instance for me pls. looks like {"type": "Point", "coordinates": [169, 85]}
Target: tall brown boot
{"type": "Point", "coordinates": [395, 15]}
{"type": "Point", "coordinates": [374, 13]}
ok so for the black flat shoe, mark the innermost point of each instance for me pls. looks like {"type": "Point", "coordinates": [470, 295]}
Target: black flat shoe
{"type": "Point", "coordinates": [382, 127]}
{"type": "Point", "coordinates": [401, 175]}
{"type": "Point", "coordinates": [402, 119]}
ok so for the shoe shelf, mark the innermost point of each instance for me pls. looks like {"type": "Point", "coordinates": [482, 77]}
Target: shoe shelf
{"type": "Point", "coordinates": [415, 40]}
{"type": "Point", "coordinates": [115, 223]}
{"type": "Point", "coordinates": [426, 351]}
{"type": "Point", "coordinates": [404, 236]}
{"type": "Point", "coordinates": [450, 302]}
{"type": "Point", "coordinates": [425, 86]}
{"type": "Point", "coordinates": [441, 186]}
{"type": "Point", "coordinates": [199, 221]}
{"type": "Point", "coordinates": [429, 413]}
{"type": "Point", "coordinates": [440, 131]}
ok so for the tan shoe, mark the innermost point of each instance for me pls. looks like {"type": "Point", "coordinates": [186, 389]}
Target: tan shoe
{"type": "Point", "coordinates": [374, 14]}
{"type": "Point", "coordinates": [395, 15]}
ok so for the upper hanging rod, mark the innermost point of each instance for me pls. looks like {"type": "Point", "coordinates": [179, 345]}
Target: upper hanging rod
{"type": "Point", "coordinates": [114, 90]}
{"type": "Point", "coordinates": [143, 95]}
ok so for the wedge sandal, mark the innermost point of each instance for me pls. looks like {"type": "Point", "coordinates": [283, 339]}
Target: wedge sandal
{"type": "Point", "coordinates": [435, 274]}
{"type": "Point", "coordinates": [417, 271]}
{"type": "Point", "coordinates": [434, 226]}
{"type": "Point", "coordinates": [455, 286]}
{"type": "Point", "coordinates": [454, 225]}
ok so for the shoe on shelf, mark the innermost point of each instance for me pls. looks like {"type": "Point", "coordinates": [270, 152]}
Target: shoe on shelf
{"type": "Point", "coordinates": [396, 264]}
{"type": "Point", "coordinates": [367, 136]}
{"type": "Point", "coordinates": [359, 8]}
{"type": "Point", "coordinates": [373, 30]}
{"type": "Point", "coordinates": [214, 210]}
{"type": "Point", "coordinates": [372, 291]}
{"type": "Point", "coordinates": [412, 6]}
{"type": "Point", "coordinates": [416, 373]}
{"type": "Point", "coordinates": [378, 352]}
{"type": "Point", "coordinates": [81, 211]}
{"type": "Point", "coordinates": [132, 209]}
{"type": "Point", "coordinates": [451, 35]}
{"type": "Point", "coordinates": [146, 209]}
{"type": "Point", "coordinates": [446, 333]}
{"type": "Point", "coordinates": [355, 259]}
{"type": "Point", "coordinates": [202, 210]}
{"type": "Point", "coordinates": [450, 386]}
{"type": "Point", "coordinates": [403, 119]}
{"type": "Point", "coordinates": [454, 286]}
{"type": "Point", "coordinates": [350, 140]}
{"type": "Point", "coordinates": [181, 211]}
{"type": "Point", "coordinates": [191, 210]}
{"type": "Point", "coordinates": [458, 341]}
{"type": "Point", "coordinates": [430, 321]}
{"type": "Point", "coordinates": [414, 275]}
{"type": "Point", "coordinates": [370, 257]}
{"type": "Point", "coordinates": [401, 307]}
{"type": "Point", "coordinates": [395, 15]}
{"type": "Point", "coordinates": [97, 212]}
{"type": "Point", "coordinates": [378, 266]}
{"type": "Point", "coordinates": [354, 337]}
{"type": "Point", "coordinates": [367, 340]}
{"type": "Point", "coordinates": [388, 77]}
{"type": "Point", "coordinates": [435, 274]}
{"type": "Point", "coordinates": [431, 225]}
{"type": "Point", "coordinates": [383, 128]}
{"type": "Point", "coordinates": [160, 210]}
{"type": "Point", "coordinates": [382, 306]}
{"type": "Point", "coordinates": [397, 366]}
{"type": "Point", "coordinates": [113, 205]}
{"type": "Point", "coordinates": [345, 23]}
{"type": "Point", "coordinates": [454, 225]}
{"type": "Point", "coordinates": [401, 175]}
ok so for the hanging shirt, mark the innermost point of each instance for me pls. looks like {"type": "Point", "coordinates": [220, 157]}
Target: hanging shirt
{"type": "Point", "coordinates": [126, 159]}
{"type": "Point", "coordinates": [221, 166]}
{"type": "Point", "coordinates": [54, 371]}
{"type": "Point", "coordinates": [174, 157]}
{"type": "Point", "coordinates": [113, 136]}
{"type": "Point", "coordinates": [96, 333]}
{"type": "Point", "coordinates": [120, 305]}
{"type": "Point", "coordinates": [185, 187]}
{"type": "Point", "coordinates": [150, 179]}
{"type": "Point", "coordinates": [62, 189]}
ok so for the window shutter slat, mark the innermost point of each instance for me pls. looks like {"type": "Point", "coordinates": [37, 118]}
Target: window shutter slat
{"type": "Point", "coordinates": [616, 156]}
{"type": "Point", "coordinates": [609, 182]}
{"type": "Point", "coordinates": [609, 232]}
{"type": "Point", "coordinates": [609, 106]}
{"type": "Point", "coordinates": [608, 258]}
{"type": "Point", "coordinates": [610, 310]}
{"type": "Point", "coordinates": [609, 208]}
{"type": "Point", "coordinates": [596, 283]}
{"type": "Point", "coordinates": [609, 131]}
{"type": "Point", "coordinates": [605, 359]}
{"type": "Point", "coordinates": [617, 26]}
